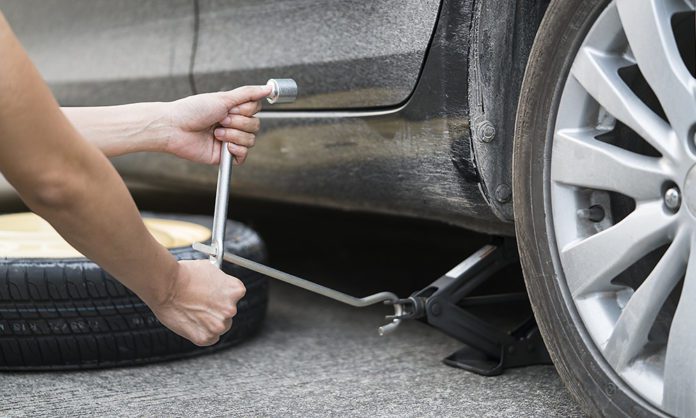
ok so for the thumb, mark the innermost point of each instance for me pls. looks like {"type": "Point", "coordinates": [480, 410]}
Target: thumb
{"type": "Point", "coordinates": [245, 94]}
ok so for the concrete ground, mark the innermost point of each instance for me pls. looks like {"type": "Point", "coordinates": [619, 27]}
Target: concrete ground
{"type": "Point", "coordinates": [315, 357]}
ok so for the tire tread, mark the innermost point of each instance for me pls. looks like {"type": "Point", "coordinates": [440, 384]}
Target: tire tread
{"type": "Point", "coordinates": [71, 314]}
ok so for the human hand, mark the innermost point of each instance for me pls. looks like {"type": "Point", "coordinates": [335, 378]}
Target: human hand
{"type": "Point", "coordinates": [201, 302]}
{"type": "Point", "coordinates": [202, 122]}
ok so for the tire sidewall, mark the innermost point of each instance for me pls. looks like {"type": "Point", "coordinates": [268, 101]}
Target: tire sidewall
{"type": "Point", "coordinates": [588, 377]}
{"type": "Point", "coordinates": [71, 314]}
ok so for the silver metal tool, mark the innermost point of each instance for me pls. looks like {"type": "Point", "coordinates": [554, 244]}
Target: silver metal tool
{"type": "Point", "coordinates": [284, 91]}
{"type": "Point", "coordinates": [381, 297]}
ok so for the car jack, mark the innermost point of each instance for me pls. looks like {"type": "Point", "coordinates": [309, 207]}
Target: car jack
{"type": "Point", "coordinates": [442, 304]}
{"type": "Point", "coordinates": [446, 305]}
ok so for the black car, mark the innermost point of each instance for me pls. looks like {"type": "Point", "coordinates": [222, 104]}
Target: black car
{"type": "Point", "coordinates": [570, 125]}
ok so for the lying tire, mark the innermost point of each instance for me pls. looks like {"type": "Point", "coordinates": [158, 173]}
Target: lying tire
{"type": "Point", "coordinates": [61, 311]}
{"type": "Point", "coordinates": [604, 201]}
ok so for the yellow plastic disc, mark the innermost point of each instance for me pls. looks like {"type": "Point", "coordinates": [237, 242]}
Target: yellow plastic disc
{"type": "Point", "coordinates": [26, 235]}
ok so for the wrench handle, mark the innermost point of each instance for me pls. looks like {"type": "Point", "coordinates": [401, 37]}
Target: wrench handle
{"type": "Point", "coordinates": [284, 90]}
{"type": "Point", "coordinates": [221, 200]}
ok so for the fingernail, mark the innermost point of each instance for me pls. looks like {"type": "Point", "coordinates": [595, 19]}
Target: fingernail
{"type": "Point", "coordinates": [227, 121]}
{"type": "Point", "coordinates": [233, 147]}
{"type": "Point", "coordinates": [235, 110]}
{"type": "Point", "coordinates": [219, 132]}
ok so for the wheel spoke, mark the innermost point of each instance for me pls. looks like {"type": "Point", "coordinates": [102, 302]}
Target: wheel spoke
{"type": "Point", "coordinates": [591, 263]}
{"type": "Point", "coordinates": [630, 333]}
{"type": "Point", "coordinates": [581, 160]}
{"type": "Point", "coordinates": [647, 24]}
{"type": "Point", "coordinates": [597, 72]}
{"type": "Point", "coordinates": [680, 367]}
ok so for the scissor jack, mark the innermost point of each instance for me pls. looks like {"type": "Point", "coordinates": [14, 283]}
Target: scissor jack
{"type": "Point", "coordinates": [444, 304]}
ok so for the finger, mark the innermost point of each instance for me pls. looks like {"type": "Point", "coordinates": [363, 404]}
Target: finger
{"type": "Point", "coordinates": [242, 290]}
{"type": "Point", "coordinates": [228, 325]}
{"type": "Point", "coordinates": [239, 290]}
{"type": "Point", "coordinates": [230, 308]}
{"type": "Point", "coordinates": [235, 136]}
{"type": "Point", "coordinates": [247, 109]}
{"type": "Point", "coordinates": [203, 340]}
{"type": "Point", "coordinates": [245, 94]}
{"type": "Point", "coordinates": [239, 153]}
{"type": "Point", "coordinates": [243, 123]}
{"type": "Point", "coordinates": [213, 340]}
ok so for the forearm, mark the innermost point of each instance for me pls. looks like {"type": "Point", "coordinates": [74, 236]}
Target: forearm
{"type": "Point", "coordinates": [118, 130]}
{"type": "Point", "coordinates": [70, 182]}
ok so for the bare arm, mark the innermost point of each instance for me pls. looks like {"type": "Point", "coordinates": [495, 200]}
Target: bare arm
{"type": "Point", "coordinates": [70, 183]}
{"type": "Point", "coordinates": [64, 179]}
{"type": "Point", "coordinates": [192, 128]}
{"type": "Point", "coordinates": [118, 130]}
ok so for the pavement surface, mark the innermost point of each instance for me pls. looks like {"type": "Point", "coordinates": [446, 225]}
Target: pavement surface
{"type": "Point", "coordinates": [314, 357]}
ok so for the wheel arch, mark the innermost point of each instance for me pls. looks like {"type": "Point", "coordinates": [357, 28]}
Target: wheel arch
{"type": "Point", "coordinates": [502, 34]}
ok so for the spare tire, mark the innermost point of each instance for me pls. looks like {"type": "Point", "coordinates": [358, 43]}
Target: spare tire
{"type": "Point", "coordinates": [61, 311]}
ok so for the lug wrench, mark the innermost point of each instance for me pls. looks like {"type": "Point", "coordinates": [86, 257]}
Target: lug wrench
{"type": "Point", "coordinates": [283, 91]}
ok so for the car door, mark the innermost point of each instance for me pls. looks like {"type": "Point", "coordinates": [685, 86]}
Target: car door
{"type": "Point", "coordinates": [343, 54]}
{"type": "Point", "coordinates": [97, 52]}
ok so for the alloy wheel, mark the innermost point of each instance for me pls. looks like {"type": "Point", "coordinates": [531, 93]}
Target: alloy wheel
{"type": "Point", "coordinates": [622, 195]}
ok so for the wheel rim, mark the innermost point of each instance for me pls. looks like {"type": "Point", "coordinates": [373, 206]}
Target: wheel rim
{"type": "Point", "coordinates": [623, 195]}
{"type": "Point", "coordinates": [25, 235]}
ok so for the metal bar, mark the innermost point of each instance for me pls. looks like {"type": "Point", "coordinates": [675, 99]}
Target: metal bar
{"type": "Point", "coordinates": [221, 200]}
{"type": "Point", "coordinates": [471, 261]}
{"type": "Point", "coordinates": [299, 282]}
{"type": "Point", "coordinates": [283, 91]}
{"type": "Point", "coordinates": [313, 287]}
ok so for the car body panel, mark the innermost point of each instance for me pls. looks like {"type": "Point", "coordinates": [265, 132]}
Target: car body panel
{"type": "Point", "coordinates": [343, 54]}
{"type": "Point", "coordinates": [100, 52]}
{"type": "Point", "coordinates": [384, 118]}
{"type": "Point", "coordinates": [412, 160]}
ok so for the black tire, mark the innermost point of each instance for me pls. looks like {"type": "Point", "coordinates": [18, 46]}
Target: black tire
{"type": "Point", "coordinates": [70, 314]}
{"type": "Point", "coordinates": [587, 376]}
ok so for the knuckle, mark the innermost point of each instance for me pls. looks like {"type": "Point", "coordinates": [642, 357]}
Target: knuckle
{"type": "Point", "coordinates": [201, 340]}
{"type": "Point", "coordinates": [244, 111]}
{"type": "Point", "coordinates": [241, 121]}
{"type": "Point", "coordinates": [218, 328]}
{"type": "Point", "coordinates": [234, 120]}
{"type": "Point", "coordinates": [231, 134]}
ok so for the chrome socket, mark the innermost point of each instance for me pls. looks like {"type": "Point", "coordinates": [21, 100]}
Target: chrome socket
{"type": "Point", "coordinates": [284, 90]}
